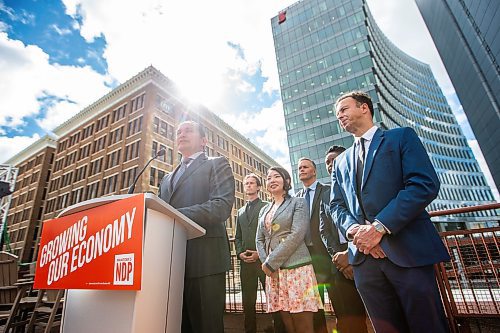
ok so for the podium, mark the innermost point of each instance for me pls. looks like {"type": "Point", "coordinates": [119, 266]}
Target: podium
{"type": "Point", "coordinates": [157, 306]}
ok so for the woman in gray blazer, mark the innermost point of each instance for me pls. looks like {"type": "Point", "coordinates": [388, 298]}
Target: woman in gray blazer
{"type": "Point", "coordinates": [291, 286]}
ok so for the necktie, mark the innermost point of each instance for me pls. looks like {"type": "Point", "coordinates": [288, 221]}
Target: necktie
{"type": "Point", "coordinates": [182, 169]}
{"type": "Point", "coordinates": [308, 199]}
{"type": "Point", "coordinates": [360, 163]}
{"type": "Point", "coordinates": [308, 238]}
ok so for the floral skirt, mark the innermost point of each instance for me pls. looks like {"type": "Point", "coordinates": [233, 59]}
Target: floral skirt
{"type": "Point", "coordinates": [293, 290]}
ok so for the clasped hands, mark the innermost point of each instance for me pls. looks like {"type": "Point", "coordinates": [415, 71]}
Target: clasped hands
{"type": "Point", "coordinates": [367, 240]}
{"type": "Point", "coordinates": [249, 256]}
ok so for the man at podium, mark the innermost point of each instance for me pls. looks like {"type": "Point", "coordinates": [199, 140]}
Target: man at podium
{"type": "Point", "coordinates": [202, 188]}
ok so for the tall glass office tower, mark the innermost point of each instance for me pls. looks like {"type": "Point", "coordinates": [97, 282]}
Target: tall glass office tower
{"type": "Point", "coordinates": [327, 47]}
{"type": "Point", "coordinates": [467, 37]}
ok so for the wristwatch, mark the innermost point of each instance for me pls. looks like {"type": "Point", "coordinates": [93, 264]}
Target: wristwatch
{"type": "Point", "coordinates": [379, 227]}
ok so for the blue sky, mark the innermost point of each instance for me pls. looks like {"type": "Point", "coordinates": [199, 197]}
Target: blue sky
{"type": "Point", "coordinates": [56, 57]}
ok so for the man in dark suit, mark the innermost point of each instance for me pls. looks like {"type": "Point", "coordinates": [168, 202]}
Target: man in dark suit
{"type": "Point", "coordinates": [313, 191]}
{"type": "Point", "coordinates": [202, 188]}
{"type": "Point", "coordinates": [347, 304]}
{"type": "Point", "coordinates": [380, 189]}
{"type": "Point", "coordinates": [250, 265]}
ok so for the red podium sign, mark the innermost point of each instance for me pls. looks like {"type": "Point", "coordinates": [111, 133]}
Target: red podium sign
{"type": "Point", "coordinates": [99, 248]}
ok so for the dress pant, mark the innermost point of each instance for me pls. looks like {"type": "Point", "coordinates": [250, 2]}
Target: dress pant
{"type": "Point", "coordinates": [322, 269]}
{"type": "Point", "coordinates": [347, 304]}
{"type": "Point", "coordinates": [250, 275]}
{"type": "Point", "coordinates": [203, 304]}
{"type": "Point", "coordinates": [400, 299]}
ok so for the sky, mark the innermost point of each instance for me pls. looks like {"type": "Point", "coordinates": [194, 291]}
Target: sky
{"type": "Point", "coordinates": [58, 56]}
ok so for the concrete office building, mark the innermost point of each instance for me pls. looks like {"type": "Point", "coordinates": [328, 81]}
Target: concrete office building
{"type": "Point", "coordinates": [100, 150]}
{"type": "Point", "coordinates": [467, 37]}
{"type": "Point", "coordinates": [327, 47]}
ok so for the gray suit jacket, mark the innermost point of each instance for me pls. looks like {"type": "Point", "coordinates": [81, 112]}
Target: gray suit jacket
{"type": "Point", "coordinates": [284, 246]}
{"type": "Point", "coordinates": [205, 194]}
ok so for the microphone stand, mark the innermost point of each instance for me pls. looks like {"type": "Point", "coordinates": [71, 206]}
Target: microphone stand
{"type": "Point", "coordinates": [131, 189]}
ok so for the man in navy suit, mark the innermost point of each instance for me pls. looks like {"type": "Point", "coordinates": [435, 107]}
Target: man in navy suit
{"type": "Point", "coordinates": [380, 189]}
{"type": "Point", "coordinates": [202, 188]}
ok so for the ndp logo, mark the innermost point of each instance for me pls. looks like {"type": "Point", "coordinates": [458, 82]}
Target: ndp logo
{"type": "Point", "coordinates": [124, 269]}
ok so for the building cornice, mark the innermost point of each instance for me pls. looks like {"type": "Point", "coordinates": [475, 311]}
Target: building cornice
{"type": "Point", "coordinates": [102, 104]}
{"type": "Point", "coordinates": [32, 150]}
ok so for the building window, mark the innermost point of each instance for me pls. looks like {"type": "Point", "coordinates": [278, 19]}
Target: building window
{"type": "Point", "coordinates": [156, 176]}
{"type": "Point", "coordinates": [62, 201]}
{"type": "Point", "coordinates": [81, 173]}
{"type": "Point", "coordinates": [99, 144]}
{"type": "Point", "coordinates": [96, 166]}
{"type": "Point", "coordinates": [170, 156]}
{"type": "Point", "coordinates": [76, 196]}
{"type": "Point", "coordinates": [102, 123]}
{"type": "Point", "coordinates": [116, 135]}
{"type": "Point", "coordinates": [109, 184]}
{"type": "Point", "coordinates": [54, 184]}
{"type": "Point", "coordinates": [51, 205]}
{"type": "Point", "coordinates": [134, 126]}
{"type": "Point", "coordinates": [113, 159]}
{"type": "Point", "coordinates": [137, 103]}
{"type": "Point", "coordinates": [91, 190]}
{"type": "Point", "coordinates": [119, 113]}
{"type": "Point", "coordinates": [87, 131]}
{"type": "Point", "coordinates": [66, 179]}
{"type": "Point", "coordinates": [128, 177]}
{"type": "Point", "coordinates": [84, 152]}
{"type": "Point", "coordinates": [132, 150]}
{"type": "Point", "coordinates": [163, 128]}
{"type": "Point", "coordinates": [70, 159]}
{"type": "Point", "coordinates": [152, 176]}
{"type": "Point", "coordinates": [156, 148]}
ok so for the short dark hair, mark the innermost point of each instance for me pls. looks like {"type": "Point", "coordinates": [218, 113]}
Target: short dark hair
{"type": "Point", "coordinates": [360, 97]}
{"type": "Point", "coordinates": [335, 149]}
{"type": "Point", "coordinates": [196, 125]}
{"type": "Point", "coordinates": [287, 180]}
{"type": "Point", "coordinates": [254, 176]}
{"type": "Point", "coordinates": [308, 159]}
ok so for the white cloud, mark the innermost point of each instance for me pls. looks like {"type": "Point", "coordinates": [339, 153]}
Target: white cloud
{"type": "Point", "coordinates": [4, 26]}
{"type": "Point", "coordinates": [11, 146]}
{"type": "Point", "coordinates": [60, 31]}
{"type": "Point", "coordinates": [27, 77]}
{"type": "Point", "coordinates": [267, 128]}
{"type": "Point", "coordinates": [186, 40]}
{"type": "Point", "coordinates": [58, 114]}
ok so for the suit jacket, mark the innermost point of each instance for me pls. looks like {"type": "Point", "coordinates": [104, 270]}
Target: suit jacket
{"type": "Point", "coordinates": [284, 246]}
{"type": "Point", "coordinates": [327, 228]}
{"type": "Point", "coordinates": [321, 259]}
{"type": "Point", "coordinates": [246, 227]}
{"type": "Point", "coordinates": [398, 183]}
{"type": "Point", "coordinates": [205, 194]}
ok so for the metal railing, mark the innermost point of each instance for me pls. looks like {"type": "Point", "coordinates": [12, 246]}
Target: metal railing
{"type": "Point", "coordinates": [470, 282]}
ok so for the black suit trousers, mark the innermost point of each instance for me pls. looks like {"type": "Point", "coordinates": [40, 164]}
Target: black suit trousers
{"type": "Point", "coordinates": [347, 304]}
{"type": "Point", "coordinates": [203, 304]}
{"type": "Point", "coordinates": [251, 275]}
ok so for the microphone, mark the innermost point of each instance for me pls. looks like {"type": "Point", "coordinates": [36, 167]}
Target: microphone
{"type": "Point", "coordinates": [131, 189]}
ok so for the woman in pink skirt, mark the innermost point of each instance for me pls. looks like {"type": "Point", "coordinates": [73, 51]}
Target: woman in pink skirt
{"type": "Point", "coordinates": [291, 286]}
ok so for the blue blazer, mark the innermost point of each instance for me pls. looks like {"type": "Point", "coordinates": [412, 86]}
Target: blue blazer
{"type": "Point", "coordinates": [398, 183]}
